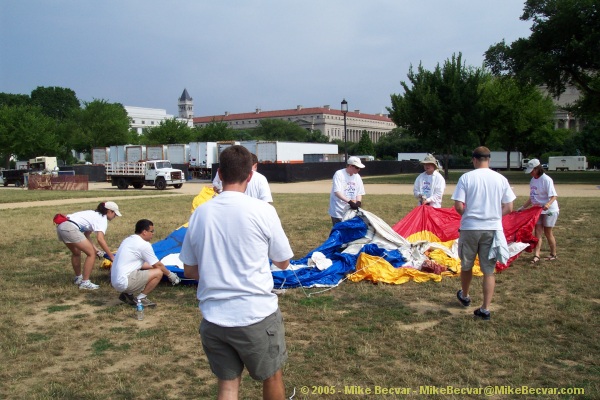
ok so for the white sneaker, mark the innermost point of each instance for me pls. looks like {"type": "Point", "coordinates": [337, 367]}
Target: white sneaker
{"type": "Point", "coordinates": [77, 281]}
{"type": "Point", "coordinates": [88, 285]}
{"type": "Point", "coordinates": [175, 280]}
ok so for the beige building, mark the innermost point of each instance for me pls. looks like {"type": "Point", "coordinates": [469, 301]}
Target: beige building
{"type": "Point", "coordinates": [325, 119]}
{"type": "Point", "coordinates": [562, 118]}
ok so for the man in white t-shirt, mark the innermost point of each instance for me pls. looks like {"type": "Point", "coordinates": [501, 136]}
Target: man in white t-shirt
{"type": "Point", "coordinates": [136, 268]}
{"type": "Point", "coordinates": [430, 184]}
{"type": "Point", "coordinates": [482, 197]}
{"type": "Point", "coordinates": [347, 190]}
{"type": "Point", "coordinates": [228, 247]}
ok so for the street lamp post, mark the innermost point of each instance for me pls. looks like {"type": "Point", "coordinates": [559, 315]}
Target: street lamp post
{"type": "Point", "coordinates": [345, 111]}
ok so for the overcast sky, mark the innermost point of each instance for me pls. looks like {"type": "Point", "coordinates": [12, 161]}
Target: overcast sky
{"type": "Point", "coordinates": [236, 55]}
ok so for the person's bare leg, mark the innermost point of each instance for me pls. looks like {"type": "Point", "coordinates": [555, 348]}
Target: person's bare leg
{"type": "Point", "coordinates": [155, 275]}
{"type": "Point", "coordinates": [465, 282]}
{"type": "Point", "coordinates": [273, 387]}
{"type": "Point", "coordinates": [86, 247]}
{"type": "Point", "coordinates": [489, 284]}
{"type": "Point", "coordinates": [228, 390]}
{"type": "Point", "coordinates": [551, 239]}
{"type": "Point", "coordinates": [539, 229]}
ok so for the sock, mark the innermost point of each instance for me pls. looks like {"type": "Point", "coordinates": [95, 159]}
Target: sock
{"type": "Point", "coordinates": [79, 276]}
{"type": "Point", "coordinates": [141, 296]}
{"type": "Point", "coordinates": [483, 310]}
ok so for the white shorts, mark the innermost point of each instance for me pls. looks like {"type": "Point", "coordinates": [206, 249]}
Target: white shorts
{"type": "Point", "coordinates": [548, 220]}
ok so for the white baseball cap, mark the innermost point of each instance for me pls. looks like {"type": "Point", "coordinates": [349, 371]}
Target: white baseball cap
{"type": "Point", "coordinates": [534, 162]}
{"type": "Point", "coordinates": [111, 205]}
{"type": "Point", "coordinates": [355, 161]}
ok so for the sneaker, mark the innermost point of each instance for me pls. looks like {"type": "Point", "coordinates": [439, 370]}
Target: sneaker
{"type": "Point", "coordinates": [127, 299]}
{"type": "Point", "coordinates": [77, 281]}
{"type": "Point", "coordinates": [175, 280]}
{"type": "Point", "coordinates": [147, 303]}
{"type": "Point", "coordinates": [464, 301]}
{"type": "Point", "coordinates": [483, 315]}
{"type": "Point", "coordinates": [88, 285]}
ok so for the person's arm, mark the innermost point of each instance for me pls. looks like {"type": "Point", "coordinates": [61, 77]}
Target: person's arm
{"type": "Point", "coordinates": [507, 208]}
{"type": "Point", "coordinates": [281, 264]}
{"type": "Point", "coordinates": [191, 272]}
{"type": "Point", "coordinates": [437, 192]}
{"type": "Point", "coordinates": [524, 206]}
{"type": "Point", "coordinates": [459, 206]}
{"type": "Point", "coordinates": [549, 203]}
{"type": "Point", "coordinates": [102, 243]}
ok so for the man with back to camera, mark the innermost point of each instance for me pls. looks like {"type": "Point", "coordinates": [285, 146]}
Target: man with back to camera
{"type": "Point", "coordinates": [136, 268]}
{"type": "Point", "coordinates": [347, 190]}
{"type": "Point", "coordinates": [227, 248]}
{"type": "Point", "coordinates": [482, 197]}
{"type": "Point", "coordinates": [258, 187]}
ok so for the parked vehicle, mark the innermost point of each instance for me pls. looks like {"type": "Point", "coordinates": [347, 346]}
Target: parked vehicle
{"type": "Point", "coordinates": [567, 163]}
{"type": "Point", "coordinates": [157, 173]}
{"type": "Point", "coordinates": [13, 176]}
{"type": "Point", "coordinates": [498, 160]}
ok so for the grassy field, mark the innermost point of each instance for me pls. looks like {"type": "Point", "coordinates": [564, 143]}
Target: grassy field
{"type": "Point", "coordinates": [57, 342]}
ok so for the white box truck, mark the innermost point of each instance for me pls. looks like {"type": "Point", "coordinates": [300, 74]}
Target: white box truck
{"type": "Point", "coordinates": [498, 160]}
{"type": "Point", "coordinates": [100, 155]}
{"type": "Point", "coordinates": [202, 156]}
{"type": "Point", "coordinates": [178, 153]}
{"type": "Point", "coordinates": [411, 156]}
{"type": "Point", "coordinates": [135, 153]}
{"type": "Point", "coordinates": [290, 152]}
{"type": "Point", "coordinates": [156, 152]}
{"type": "Point", "coordinates": [567, 163]}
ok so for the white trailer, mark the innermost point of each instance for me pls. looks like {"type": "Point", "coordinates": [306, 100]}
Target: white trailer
{"type": "Point", "coordinates": [100, 155]}
{"type": "Point", "coordinates": [567, 163]}
{"type": "Point", "coordinates": [286, 152]}
{"type": "Point", "coordinates": [135, 153]}
{"type": "Point", "coordinates": [156, 152]}
{"type": "Point", "coordinates": [179, 153]}
{"type": "Point", "coordinates": [202, 156]}
{"type": "Point", "coordinates": [117, 153]}
{"type": "Point", "coordinates": [411, 156]}
{"type": "Point", "coordinates": [498, 160]}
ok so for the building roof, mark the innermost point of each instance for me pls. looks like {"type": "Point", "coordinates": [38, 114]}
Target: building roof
{"type": "Point", "coordinates": [185, 96]}
{"type": "Point", "coordinates": [299, 111]}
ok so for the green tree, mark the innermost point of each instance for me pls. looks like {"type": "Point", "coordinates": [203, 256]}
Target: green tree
{"type": "Point", "coordinates": [276, 129]}
{"type": "Point", "coordinates": [169, 131]}
{"type": "Point", "coordinates": [56, 102]}
{"type": "Point", "coordinates": [25, 132]}
{"type": "Point", "coordinates": [515, 113]}
{"type": "Point", "coordinates": [8, 99]}
{"type": "Point", "coordinates": [365, 145]}
{"type": "Point", "coordinates": [563, 49]}
{"type": "Point", "coordinates": [439, 107]}
{"type": "Point", "coordinates": [215, 131]}
{"type": "Point", "coordinates": [102, 124]}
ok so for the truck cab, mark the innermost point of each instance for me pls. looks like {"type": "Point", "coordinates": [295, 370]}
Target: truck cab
{"type": "Point", "coordinates": [161, 174]}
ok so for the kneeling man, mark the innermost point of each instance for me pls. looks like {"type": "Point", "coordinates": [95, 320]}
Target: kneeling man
{"type": "Point", "coordinates": [136, 268]}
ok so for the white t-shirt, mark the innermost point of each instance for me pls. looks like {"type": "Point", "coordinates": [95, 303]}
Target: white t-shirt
{"type": "Point", "coordinates": [483, 191]}
{"type": "Point", "coordinates": [258, 187]}
{"type": "Point", "coordinates": [131, 255]}
{"type": "Point", "coordinates": [90, 221]}
{"type": "Point", "coordinates": [540, 191]}
{"type": "Point", "coordinates": [432, 186]}
{"type": "Point", "coordinates": [351, 186]}
{"type": "Point", "coordinates": [231, 238]}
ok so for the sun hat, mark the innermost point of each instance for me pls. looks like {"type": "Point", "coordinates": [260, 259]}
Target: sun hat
{"type": "Point", "coordinates": [430, 159]}
{"type": "Point", "coordinates": [534, 162]}
{"type": "Point", "coordinates": [111, 205]}
{"type": "Point", "coordinates": [355, 161]}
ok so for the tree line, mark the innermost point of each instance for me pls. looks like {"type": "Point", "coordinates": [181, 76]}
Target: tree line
{"type": "Point", "coordinates": [448, 110]}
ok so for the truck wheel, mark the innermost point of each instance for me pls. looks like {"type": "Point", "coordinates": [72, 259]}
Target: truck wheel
{"type": "Point", "coordinates": [122, 184]}
{"type": "Point", "coordinates": [18, 184]}
{"type": "Point", "coordinates": [138, 185]}
{"type": "Point", "coordinates": [160, 184]}
{"type": "Point", "coordinates": [5, 184]}
{"type": "Point", "coordinates": [178, 186]}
